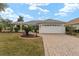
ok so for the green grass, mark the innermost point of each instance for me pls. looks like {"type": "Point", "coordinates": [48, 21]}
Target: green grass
{"type": "Point", "coordinates": [12, 45]}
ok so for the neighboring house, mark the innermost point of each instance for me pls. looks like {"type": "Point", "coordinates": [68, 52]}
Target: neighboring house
{"type": "Point", "coordinates": [49, 26]}
{"type": "Point", "coordinates": [74, 23]}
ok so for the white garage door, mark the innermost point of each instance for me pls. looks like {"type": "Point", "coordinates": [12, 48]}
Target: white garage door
{"type": "Point", "coordinates": [51, 29]}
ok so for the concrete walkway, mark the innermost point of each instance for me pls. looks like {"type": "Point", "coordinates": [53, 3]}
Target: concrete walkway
{"type": "Point", "coordinates": [60, 45]}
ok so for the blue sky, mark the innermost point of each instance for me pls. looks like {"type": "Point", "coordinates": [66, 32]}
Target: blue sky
{"type": "Point", "coordinates": [41, 11]}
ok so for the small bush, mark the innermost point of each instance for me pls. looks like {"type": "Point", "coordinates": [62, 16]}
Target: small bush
{"type": "Point", "coordinates": [77, 31]}
{"type": "Point", "coordinates": [70, 30]}
{"type": "Point", "coordinates": [26, 29]}
{"type": "Point", "coordinates": [16, 29]}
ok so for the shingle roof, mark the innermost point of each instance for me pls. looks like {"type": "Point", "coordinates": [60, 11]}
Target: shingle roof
{"type": "Point", "coordinates": [51, 21]}
{"type": "Point", "coordinates": [48, 21]}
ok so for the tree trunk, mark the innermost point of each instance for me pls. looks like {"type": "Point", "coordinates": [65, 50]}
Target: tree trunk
{"type": "Point", "coordinates": [27, 33]}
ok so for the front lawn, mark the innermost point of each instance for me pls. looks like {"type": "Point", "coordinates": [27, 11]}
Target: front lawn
{"type": "Point", "coordinates": [12, 45]}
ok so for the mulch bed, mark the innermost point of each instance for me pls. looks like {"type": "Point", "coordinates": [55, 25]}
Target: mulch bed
{"type": "Point", "coordinates": [30, 36]}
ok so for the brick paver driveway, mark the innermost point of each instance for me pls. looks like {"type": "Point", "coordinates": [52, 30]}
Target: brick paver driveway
{"type": "Point", "coordinates": [60, 45]}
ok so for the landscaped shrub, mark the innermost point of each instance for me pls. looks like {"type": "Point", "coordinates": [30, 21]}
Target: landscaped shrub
{"type": "Point", "coordinates": [16, 29]}
{"type": "Point", "coordinates": [70, 30]}
{"type": "Point", "coordinates": [36, 28]}
{"type": "Point", "coordinates": [77, 31]}
{"type": "Point", "coordinates": [30, 27]}
{"type": "Point", "coordinates": [26, 29]}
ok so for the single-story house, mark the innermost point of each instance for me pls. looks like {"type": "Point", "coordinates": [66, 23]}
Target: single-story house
{"type": "Point", "coordinates": [74, 23]}
{"type": "Point", "coordinates": [49, 26]}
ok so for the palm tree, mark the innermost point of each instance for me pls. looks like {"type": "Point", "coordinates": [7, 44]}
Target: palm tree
{"type": "Point", "coordinates": [20, 23]}
{"type": "Point", "coordinates": [20, 19]}
{"type": "Point", "coordinates": [3, 6]}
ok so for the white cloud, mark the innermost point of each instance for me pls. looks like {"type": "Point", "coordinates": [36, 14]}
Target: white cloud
{"type": "Point", "coordinates": [33, 8]}
{"type": "Point", "coordinates": [36, 6]}
{"type": "Point", "coordinates": [61, 14]}
{"type": "Point", "coordinates": [43, 10]}
{"type": "Point", "coordinates": [68, 8]}
{"type": "Point", "coordinates": [9, 14]}
{"type": "Point", "coordinates": [28, 16]}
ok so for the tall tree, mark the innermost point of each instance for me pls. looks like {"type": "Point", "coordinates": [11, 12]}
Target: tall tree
{"type": "Point", "coordinates": [3, 6]}
{"type": "Point", "coordinates": [20, 23]}
{"type": "Point", "coordinates": [20, 19]}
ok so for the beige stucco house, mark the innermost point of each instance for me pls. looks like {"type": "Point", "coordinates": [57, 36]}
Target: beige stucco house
{"type": "Point", "coordinates": [49, 26]}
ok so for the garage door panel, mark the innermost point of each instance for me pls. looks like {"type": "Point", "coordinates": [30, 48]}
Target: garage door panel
{"type": "Point", "coordinates": [52, 29]}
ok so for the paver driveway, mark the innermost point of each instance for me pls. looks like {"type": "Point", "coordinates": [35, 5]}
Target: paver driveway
{"type": "Point", "coordinates": [60, 45]}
